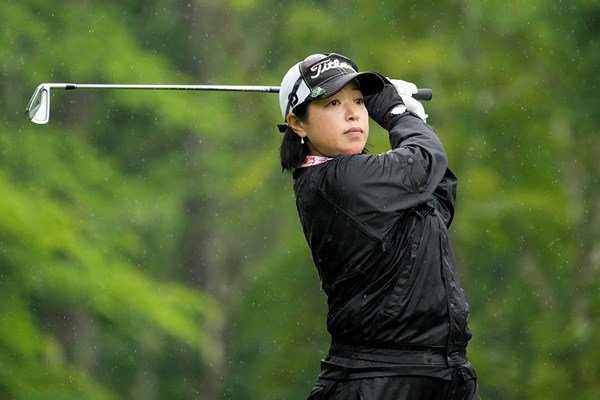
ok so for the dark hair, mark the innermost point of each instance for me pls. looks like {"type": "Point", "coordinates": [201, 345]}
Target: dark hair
{"type": "Point", "coordinates": [292, 152]}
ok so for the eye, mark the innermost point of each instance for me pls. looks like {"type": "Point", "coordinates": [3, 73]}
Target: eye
{"type": "Point", "coordinates": [360, 101]}
{"type": "Point", "coordinates": [334, 102]}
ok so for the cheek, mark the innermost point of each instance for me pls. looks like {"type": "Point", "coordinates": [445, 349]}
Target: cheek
{"type": "Point", "coordinates": [320, 128]}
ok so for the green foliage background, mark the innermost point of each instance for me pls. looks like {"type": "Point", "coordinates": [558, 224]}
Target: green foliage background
{"type": "Point", "coordinates": [149, 246]}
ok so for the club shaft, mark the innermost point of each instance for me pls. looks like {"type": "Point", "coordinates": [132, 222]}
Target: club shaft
{"type": "Point", "coordinates": [226, 88]}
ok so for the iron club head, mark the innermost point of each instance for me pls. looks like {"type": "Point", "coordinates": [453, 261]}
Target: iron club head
{"type": "Point", "coordinates": [39, 105]}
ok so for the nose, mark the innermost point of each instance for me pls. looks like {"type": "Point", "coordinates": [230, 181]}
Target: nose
{"type": "Point", "coordinates": [352, 111]}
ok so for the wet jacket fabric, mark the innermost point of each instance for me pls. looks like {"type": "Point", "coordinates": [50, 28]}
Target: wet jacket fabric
{"type": "Point", "coordinates": [377, 228]}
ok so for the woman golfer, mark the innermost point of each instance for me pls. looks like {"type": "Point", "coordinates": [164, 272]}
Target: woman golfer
{"type": "Point", "coordinates": [377, 228]}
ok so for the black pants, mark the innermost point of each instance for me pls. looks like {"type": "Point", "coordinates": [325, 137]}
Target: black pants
{"type": "Point", "coordinates": [358, 373]}
{"type": "Point", "coordinates": [397, 388]}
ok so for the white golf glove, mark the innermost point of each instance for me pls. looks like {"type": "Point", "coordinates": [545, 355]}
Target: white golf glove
{"type": "Point", "coordinates": [406, 91]}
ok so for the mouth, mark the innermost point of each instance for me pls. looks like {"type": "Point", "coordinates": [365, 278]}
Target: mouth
{"type": "Point", "coordinates": [353, 131]}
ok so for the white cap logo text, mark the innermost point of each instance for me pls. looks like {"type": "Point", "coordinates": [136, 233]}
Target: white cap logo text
{"type": "Point", "coordinates": [326, 66]}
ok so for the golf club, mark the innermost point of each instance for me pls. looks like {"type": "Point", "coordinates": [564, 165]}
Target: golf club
{"type": "Point", "coordinates": [38, 107]}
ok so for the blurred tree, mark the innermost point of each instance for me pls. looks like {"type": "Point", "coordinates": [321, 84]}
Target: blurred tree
{"type": "Point", "coordinates": [85, 213]}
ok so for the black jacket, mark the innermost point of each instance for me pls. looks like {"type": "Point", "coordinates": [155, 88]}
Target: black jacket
{"type": "Point", "coordinates": [377, 229]}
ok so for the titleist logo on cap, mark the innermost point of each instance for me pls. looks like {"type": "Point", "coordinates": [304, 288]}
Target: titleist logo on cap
{"type": "Point", "coordinates": [326, 66]}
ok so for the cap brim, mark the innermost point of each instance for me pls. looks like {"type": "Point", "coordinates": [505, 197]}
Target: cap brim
{"type": "Point", "coordinates": [369, 82]}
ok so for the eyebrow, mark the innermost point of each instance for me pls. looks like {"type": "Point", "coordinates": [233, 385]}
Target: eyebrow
{"type": "Point", "coordinates": [356, 88]}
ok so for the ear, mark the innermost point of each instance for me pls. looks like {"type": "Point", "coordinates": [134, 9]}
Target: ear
{"type": "Point", "coordinates": [296, 124]}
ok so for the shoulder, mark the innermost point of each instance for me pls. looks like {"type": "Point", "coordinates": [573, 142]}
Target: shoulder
{"type": "Point", "coordinates": [360, 168]}
{"type": "Point", "coordinates": [348, 175]}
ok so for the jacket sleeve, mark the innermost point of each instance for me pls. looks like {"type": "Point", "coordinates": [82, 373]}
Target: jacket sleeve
{"type": "Point", "coordinates": [410, 137]}
{"type": "Point", "coordinates": [441, 180]}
